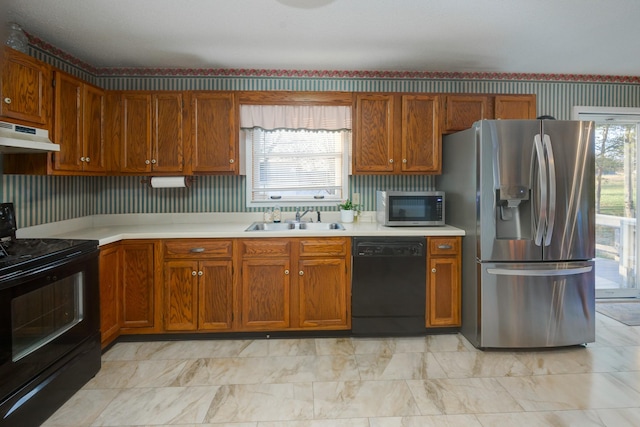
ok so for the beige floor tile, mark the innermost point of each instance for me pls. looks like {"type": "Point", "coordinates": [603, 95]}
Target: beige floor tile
{"type": "Point", "coordinates": [448, 342]}
{"type": "Point", "coordinates": [474, 364]}
{"type": "Point", "coordinates": [167, 405]}
{"type": "Point", "coordinates": [542, 419]}
{"type": "Point", "coordinates": [427, 421]}
{"type": "Point", "coordinates": [353, 399]}
{"type": "Point", "coordinates": [463, 396]}
{"type": "Point", "coordinates": [82, 409]}
{"type": "Point", "coordinates": [137, 373]}
{"type": "Point", "coordinates": [624, 417]}
{"type": "Point", "coordinates": [345, 422]}
{"type": "Point", "coordinates": [334, 346]}
{"type": "Point", "coordinates": [261, 402]}
{"type": "Point", "coordinates": [398, 366]}
{"type": "Point", "coordinates": [573, 360]}
{"type": "Point", "coordinates": [570, 391]}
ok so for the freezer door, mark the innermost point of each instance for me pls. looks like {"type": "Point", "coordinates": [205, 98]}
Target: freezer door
{"type": "Point", "coordinates": [507, 187]}
{"type": "Point", "coordinates": [536, 305]}
{"type": "Point", "coordinates": [570, 233]}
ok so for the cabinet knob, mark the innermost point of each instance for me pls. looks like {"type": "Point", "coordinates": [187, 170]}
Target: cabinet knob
{"type": "Point", "coordinates": [433, 270]}
{"type": "Point", "coordinates": [231, 161]}
{"type": "Point", "coordinates": [286, 272]}
{"type": "Point", "coordinates": [7, 100]}
{"type": "Point", "coordinates": [146, 162]}
{"type": "Point", "coordinates": [153, 161]}
{"type": "Point", "coordinates": [200, 273]}
{"type": "Point", "coordinates": [83, 159]}
{"type": "Point", "coordinates": [404, 160]}
{"type": "Point", "coordinates": [193, 273]}
{"type": "Point", "coordinates": [86, 159]}
{"type": "Point", "coordinates": [301, 273]}
{"type": "Point", "coordinates": [390, 160]}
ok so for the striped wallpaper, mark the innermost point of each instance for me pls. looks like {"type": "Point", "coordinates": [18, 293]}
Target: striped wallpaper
{"type": "Point", "coordinates": [46, 199]}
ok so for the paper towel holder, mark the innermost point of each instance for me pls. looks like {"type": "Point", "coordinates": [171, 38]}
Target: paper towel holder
{"type": "Point", "coordinates": [188, 180]}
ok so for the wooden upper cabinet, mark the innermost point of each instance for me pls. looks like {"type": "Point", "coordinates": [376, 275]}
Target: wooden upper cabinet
{"type": "Point", "coordinates": [79, 111]}
{"type": "Point", "coordinates": [167, 132]}
{"type": "Point", "coordinates": [373, 145]}
{"type": "Point", "coordinates": [461, 111]}
{"type": "Point", "coordinates": [26, 89]}
{"type": "Point", "coordinates": [397, 134]}
{"type": "Point", "coordinates": [515, 107]}
{"type": "Point", "coordinates": [150, 134]}
{"type": "Point", "coordinates": [135, 136]}
{"type": "Point", "coordinates": [421, 139]}
{"type": "Point", "coordinates": [214, 132]}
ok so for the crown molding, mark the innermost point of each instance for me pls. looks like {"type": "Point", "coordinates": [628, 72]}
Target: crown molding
{"type": "Point", "coordinates": [322, 74]}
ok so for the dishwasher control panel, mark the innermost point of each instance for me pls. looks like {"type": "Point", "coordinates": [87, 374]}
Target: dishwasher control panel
{"type": "Point", "coordinates": [390, 248]}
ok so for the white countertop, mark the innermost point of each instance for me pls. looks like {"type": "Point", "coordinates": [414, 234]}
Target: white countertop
{"type": "Point", "coordinates": [112, 228]}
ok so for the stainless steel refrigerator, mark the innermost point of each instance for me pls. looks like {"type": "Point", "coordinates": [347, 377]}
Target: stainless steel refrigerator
{"type": "Point", "coordinates": [523, 191]}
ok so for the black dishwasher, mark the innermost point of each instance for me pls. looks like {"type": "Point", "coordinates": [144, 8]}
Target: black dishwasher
{"type": "Point", "coordinates": [388, 286]}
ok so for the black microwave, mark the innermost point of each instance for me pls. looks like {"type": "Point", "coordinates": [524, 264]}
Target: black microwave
{"type": "Point", "coordinates": [410, 208]}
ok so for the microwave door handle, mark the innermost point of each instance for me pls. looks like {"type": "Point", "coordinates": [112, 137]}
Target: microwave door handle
{"type": "Point", "coordinates": [542, 182]}
{"type": "Point", "coordinates": [551, 165]}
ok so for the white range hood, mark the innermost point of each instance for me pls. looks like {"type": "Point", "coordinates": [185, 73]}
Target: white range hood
{"type": "Point", "coordinates": [24, 139]}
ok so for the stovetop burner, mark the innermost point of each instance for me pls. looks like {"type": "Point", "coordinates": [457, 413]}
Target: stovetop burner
{"type": "Point", "coordinates": [18, 255]}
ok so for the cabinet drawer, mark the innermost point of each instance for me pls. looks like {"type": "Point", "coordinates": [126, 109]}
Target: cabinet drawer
{"type": "Point", "coordinates": [198, 248]}
{"type": "Point", "coordinates": [259, 248]}
{"type": "Point", "coordinates": [444, 245]}
{"type": "Point", "coordinates": [325, 246]}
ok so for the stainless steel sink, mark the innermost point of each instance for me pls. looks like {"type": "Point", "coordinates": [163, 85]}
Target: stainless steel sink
{"type": "Point", "coordinates": [293, 226]}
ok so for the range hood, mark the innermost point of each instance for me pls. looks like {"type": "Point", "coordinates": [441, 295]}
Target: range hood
{"type": "Point", "coordinates": [24, 139]}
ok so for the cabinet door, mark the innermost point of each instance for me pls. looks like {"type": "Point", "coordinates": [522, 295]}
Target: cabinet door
{"type": "Point", "coordinates": [373, 147]}
{"type": "Point", "coordinates": [168, 143]}
{"type": "Point", "coordinates": [323, 293]}
{"type": "Point", "coordinates": [443, 292]}
{"type": "Point", "coordinates": [265, 290]}
{"type": "Point", "coordinates": [461, 111]}
{"type": "Point", "coordinates": [180, 295]}
{"type": "Point", "coordinates": [68, 123]}
{"type": "Point", "coordinates": [421, 139]}
{"type": "Point", "coordinates": [137, 284]}
{"type": "Point", "coordinates": [135, 136]}
{"type": "Point", "coordinates": [515, 107]}
{"type": "Point", "coordinates": [214, 133]}
{"type": "Point", "coordinates": [93, 129]}
{"type": "Point", "coordinates": [110, 269]}
{"type": "Point", "coordinates": [26, 88]}
{"type": "Point", "coordinates": [215, 295]}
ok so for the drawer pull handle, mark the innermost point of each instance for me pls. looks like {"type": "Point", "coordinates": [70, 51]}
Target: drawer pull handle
{"type": "Point", "coordinates": [197, 250]}
{"type": "Point", "coordinates": [444, 246]}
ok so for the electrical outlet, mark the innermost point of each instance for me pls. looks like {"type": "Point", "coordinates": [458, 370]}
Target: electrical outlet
{"type": "Point", "coordinates": [355, 198]}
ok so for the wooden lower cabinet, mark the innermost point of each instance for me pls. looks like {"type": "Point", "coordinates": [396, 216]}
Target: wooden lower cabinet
{"type": "Point", "coordinates": [110, 269]}
{"type": "Point", "coordinates": [443, 282]}
{"type": "Point", "coordinates": [316, 295]}
{"type": "Point", "coordinates": [198, 285]}
{"type": "Point", "coordinates": [138, 296]}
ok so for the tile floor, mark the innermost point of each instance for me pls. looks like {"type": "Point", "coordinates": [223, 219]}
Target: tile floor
{"type": "Point", "coordinates": [395, 382]}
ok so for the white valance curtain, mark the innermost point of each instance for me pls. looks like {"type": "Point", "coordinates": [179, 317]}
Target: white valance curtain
{"type": "Point", "coordinates": [310, 117]}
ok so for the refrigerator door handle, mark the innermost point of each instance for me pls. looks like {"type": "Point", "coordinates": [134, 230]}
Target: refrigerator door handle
{"type": "Point", "coordinates": [551, 164]}
{"type": "Point", "coordinates": [516, 272]}
{"type": "Point", "coordinates": [542, 170]}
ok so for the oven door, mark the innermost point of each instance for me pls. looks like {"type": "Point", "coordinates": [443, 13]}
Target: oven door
{"type": "Point", "coordinates": [44, 314]}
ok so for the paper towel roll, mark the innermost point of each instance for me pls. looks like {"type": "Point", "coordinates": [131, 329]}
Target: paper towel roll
{"type": "Point", "coordinates": [168, 182]}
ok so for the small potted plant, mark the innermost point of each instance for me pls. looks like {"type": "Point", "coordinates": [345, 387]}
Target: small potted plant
{"type": "Point", "coordinates": [348, 210]}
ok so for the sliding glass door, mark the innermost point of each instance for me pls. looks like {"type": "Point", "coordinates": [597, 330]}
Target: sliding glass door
{"type": "Point", "coordinates": [617, 241]}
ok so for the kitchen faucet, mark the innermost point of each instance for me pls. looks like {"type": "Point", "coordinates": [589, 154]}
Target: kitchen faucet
{"type": "Point", "coordinates": [300, 215]}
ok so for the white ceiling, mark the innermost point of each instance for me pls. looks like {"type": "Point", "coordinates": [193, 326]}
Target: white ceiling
{"type": "Point", "coordinates": [504, 36]}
